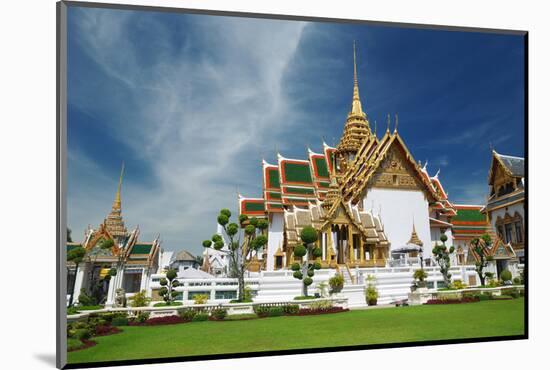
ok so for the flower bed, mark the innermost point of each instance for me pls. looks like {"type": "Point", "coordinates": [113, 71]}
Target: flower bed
{"type": "Point", "coordinates": [319, 311]}
{"type": "Point", "coordinates": [103, 330]}
{"type": "Point", "coordinates": [164, 320]}
{"type": "Point", "coordinates": [453, 301]}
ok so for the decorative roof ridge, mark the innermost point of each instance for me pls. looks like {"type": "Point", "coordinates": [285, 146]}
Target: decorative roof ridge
{"type": "Point", "coordinates": [266, 164]}
{"type": "Point", "coordinates": [281, 158]}
{"type": "Point", "coordinates": [381, 152]}
{"type": "Point", "coordinates": [508, 156]}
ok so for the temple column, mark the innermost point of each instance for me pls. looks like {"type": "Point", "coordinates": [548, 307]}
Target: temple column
{"type": "Point", "coordinates": [329, 245]}
{"type": "Point", "coordinates": [350, 242]}
{"type": "Point", "coordinates": [371, 252]}
{"type": "Point", "coordinates": [361, 250]}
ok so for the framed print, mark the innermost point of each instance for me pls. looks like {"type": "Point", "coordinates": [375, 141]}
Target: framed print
{"type": "Point", "coordinates": [236, 185]}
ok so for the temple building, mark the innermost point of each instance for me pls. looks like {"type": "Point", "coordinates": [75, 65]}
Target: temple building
{"type": "Point", "coordinates": [367, 197]}
{"type": "Point", "coordinates": [469, 223]}
{"type": "Point", "coordinates": [134, 260]}
{"type": "Point", "coordinates": [505, 208]}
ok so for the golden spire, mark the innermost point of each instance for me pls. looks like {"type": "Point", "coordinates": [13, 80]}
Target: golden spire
{"type": "Point", "coordinates": [414, 238]}
{"type": "Point", "coordinates": [117, 203]}
{"type": "Point", "coordinates": [333, 192]}
{"type": "Point", "coordinates": [114, 222]}
{"type": "Point", "coordinates": [356, 109]}
{"type": "Point", "coordinates": [356, 128]}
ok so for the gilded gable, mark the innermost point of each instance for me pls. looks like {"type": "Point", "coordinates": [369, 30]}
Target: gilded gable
{"type": "Point", "coordinates": [395, 172]}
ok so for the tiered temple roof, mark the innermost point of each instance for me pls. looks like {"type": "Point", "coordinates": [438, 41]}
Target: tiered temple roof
{"type": "Point", "coordinates": [366, 222]}
{"type": "Point", "coordinates": [506, 180]}
{"type": "Point", "coordinates": [469, 222]}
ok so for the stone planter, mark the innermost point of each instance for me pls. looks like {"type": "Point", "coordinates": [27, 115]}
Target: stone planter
{"type": "Point", "coordinates": [420, 296]}
{"type": "Point", "coordinates": [372, 302]}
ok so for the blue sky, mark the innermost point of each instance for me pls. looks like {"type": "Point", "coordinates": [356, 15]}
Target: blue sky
{"type": "Point", "coordinates": [192, 103]}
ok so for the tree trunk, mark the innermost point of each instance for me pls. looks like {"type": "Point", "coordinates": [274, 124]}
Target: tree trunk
{"type": "Point", "coordinates": [304, 275]}
{"type": "Point", "coordinates": [241, 286]}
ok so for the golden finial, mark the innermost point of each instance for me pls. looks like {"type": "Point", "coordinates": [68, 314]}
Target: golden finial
{"type": "Point", "coordinates": [388, 128]}
{"type": "Point", "coordinates": [356, 103]}
{"type": "Point", "coordinates": [374, 127]}
{"type": "Point", "coordinates": [117, 203]}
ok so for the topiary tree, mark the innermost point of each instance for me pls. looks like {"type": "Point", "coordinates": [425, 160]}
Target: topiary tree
{"type": "Point", "coordinates": [479, 246]}
{"type": "Point", "coordinates": [506, 276]}
{"type": "Point", "coordinates": [168, 284]}
{"type": "Point", "coordinates": [245, 239]}
{"type": "Point", "coordinates": [306, 269]}
{"type": "Point", "coordinates": [442, 253]}
{"type": "Point", "coordinates": [76, 256]}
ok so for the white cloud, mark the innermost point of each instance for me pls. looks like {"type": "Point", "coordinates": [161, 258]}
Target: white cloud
{"type": "Point", "coordinates": [196, 122]}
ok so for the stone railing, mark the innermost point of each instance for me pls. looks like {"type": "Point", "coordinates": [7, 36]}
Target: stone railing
{"type": "Point", "coordinates": [497, 291]}
{"type": "Point", "coordinates": [232, 308]}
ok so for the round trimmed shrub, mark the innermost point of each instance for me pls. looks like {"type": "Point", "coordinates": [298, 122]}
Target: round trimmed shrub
{"type": "Point", "coordinates": [223, 219]}
{"type": "Point", "coordinates": [506, 275]}
{"type": "Point", "coordinates": [298, 275]}
{"type": "Point", "coordinates": [317, 265]}
{"type": "Point", "coordinates": [249, 229]}
{"type": "Point", "coordinates": [262, 224]}
{"type": "Point", "coordinates": [295, 266]}
{"type": "Point", "coordinates": [310, 273]}
{"type": "Point", "coordinates": [225, 212]}
{"type": "Point", "coordinates": [207, 243]}
{"type": "Point", "coordinates": [300, 251]}
{"type": "Point", "coordinates": [317, 252]}
{"type": "Point", "coordinates": [308, 235]}
{"type": "Point", "coordinates": [171, 274]}
{"type": "Point", "coordinates": [232, 229]}
{"type": "Point", "coordinates": [308, 281]}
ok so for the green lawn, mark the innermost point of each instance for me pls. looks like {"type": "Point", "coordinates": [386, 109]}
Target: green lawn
{"type": "Point", "coordinates": [390, 325]}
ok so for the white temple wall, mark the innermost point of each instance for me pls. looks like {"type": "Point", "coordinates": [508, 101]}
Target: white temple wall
{"type": "Point", "coordinates": [397, 209]}
{"type": "Point", "coordinates": [275, 238]}
{"type": "Point", "coordinates": [435, 233]}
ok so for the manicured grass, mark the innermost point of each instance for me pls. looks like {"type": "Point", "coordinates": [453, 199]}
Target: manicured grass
{"type": "Point", "coordinates": [390, 325]}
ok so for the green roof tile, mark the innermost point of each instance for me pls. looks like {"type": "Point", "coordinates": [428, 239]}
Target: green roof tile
{"type": "Point", "coordinates": [254, 206]}
{"type": "Point", "coordinates": [300, 190]}
{"type": "Point", "coordinates": [472, 215]}
{"type": "Point", "coordinates": [321, 166]}
{"type": "Point", "coordinates": [297, 172]}
{"type": "Point", "coordinates": [273, 176]}
{"type": "Point", "coordinates": [141, 249]}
